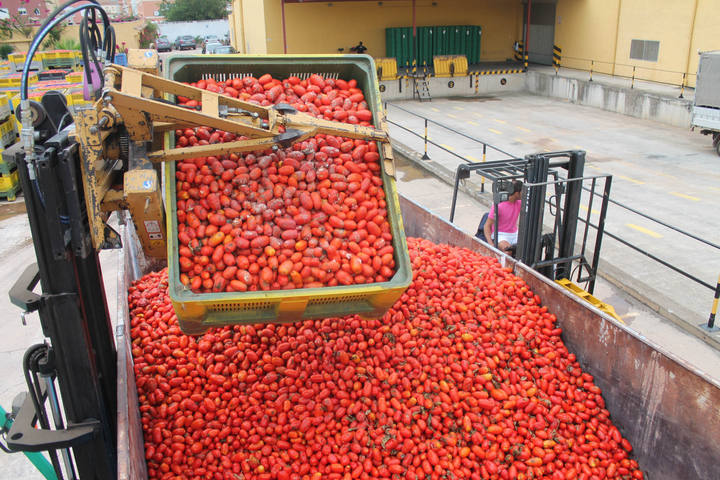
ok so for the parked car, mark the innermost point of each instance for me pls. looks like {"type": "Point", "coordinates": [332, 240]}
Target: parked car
{"type": "Point", "coordinates": [185, 42]}
{"type": "Point", "coordinates": [210, 47]}
{"type": "Point", "coordinates": [163, 45]}
{"type": "Point", "coordinates": [224, 50]}
{"type": "Point", "coordinates": [211, 39]}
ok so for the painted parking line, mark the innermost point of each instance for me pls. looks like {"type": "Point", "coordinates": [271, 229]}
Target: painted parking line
{"type": "Point", "coordinates": [644, 230]}
{"type": "Point", "coordinates": [470, 157]}
{"type": "Point", "coordinates": [497, 132]}
{"type": "Point", "coordinates": [479, 115]}
{"type": "Point", "coordinates": [523, 129]}
{"type": "Point", "coordinates": [583, 207]}
{"type": "Point", "coordinates": [637, 182]}
{"type": "Point", "coordinates": [499, 121]}
{"type": "Point", "coordinates": [451, 115]}
{"type": "Point", "coordinates": [447, 147]}
{"type": "Point", "coordinates": [434, 109]}
{"type": "Point", "coordinates": [593, 167]}
{"type": "Point", "coordinates": [686, 197]}
{"type": "Point", "coordinates": [459, 108]}
{"type": "Point", "coordinates": [519, 140]}
{"type": "Point", "coordinates": [473, 123]}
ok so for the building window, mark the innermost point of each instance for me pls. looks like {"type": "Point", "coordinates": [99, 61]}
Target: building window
{"type": "Point", "coordinates": [22, 11]}
{"type": "Point", "coordinates": [645, 50]}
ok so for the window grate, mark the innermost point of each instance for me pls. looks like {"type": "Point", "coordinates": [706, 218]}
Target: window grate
{"type": "Point", "coordinates": [647, 50]}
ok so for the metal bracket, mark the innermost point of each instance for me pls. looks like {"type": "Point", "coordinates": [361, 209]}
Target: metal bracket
{"type": "Point", "coordinates": [23, 436]}
{"type": "Point", "coordinates": [285, 108]}
{"type": "Point", "coordinates": [463, 172]}
{"type": "Point", "coordinates": [288, 137]}
{"type": "Point", "coordinates": [21, 293]}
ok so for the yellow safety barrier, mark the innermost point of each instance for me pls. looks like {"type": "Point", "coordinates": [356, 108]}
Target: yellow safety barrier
{"type": "Point", "coordinates": [599, 304]}
{"type": "Point", "coordinates": [386, 68]}
{"type": "Point", "coordinates": [450, 65]}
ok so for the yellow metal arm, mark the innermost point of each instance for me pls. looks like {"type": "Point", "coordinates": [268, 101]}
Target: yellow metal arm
{"type": "Point", "coordinates": [138, 100]}
{"type": "Point", "coordinates": [133, 115]}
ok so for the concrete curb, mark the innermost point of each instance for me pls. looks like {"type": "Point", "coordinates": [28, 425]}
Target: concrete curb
{"type": "Point", "coordinates": [648, 296]}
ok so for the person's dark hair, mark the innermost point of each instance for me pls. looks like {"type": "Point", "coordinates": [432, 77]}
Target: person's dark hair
{"type": "Point", "coordinates": [517, 186]}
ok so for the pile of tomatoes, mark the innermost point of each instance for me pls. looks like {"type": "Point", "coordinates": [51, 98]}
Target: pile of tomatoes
{"type": "Point", "coordinates": [466, 376]}
{"type": "Point", "coordinates": [311, 215]}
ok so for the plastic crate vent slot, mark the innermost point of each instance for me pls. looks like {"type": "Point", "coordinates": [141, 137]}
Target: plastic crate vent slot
{"type": "Point", "coordinates": [343, 299]}
{"type": "Point", "coordinates": [236, 306]}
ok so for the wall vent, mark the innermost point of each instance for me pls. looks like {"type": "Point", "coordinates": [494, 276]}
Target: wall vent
{"type": "Point", "coordinates": [645, 50]}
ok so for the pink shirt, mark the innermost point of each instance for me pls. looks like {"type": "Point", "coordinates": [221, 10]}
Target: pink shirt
{"type": "Point", "coordinates": [509, 213]}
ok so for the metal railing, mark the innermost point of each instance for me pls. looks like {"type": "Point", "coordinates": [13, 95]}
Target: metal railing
{"type": "Point", "coordinates": [487, 146]}
{"type": "Point", "coordinates": [634, 72]}
{"type": "Point", "coordinates": [427, 141]}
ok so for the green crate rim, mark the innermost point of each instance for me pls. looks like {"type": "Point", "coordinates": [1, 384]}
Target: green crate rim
{"type": "Point", "coordinates": [403, 272]}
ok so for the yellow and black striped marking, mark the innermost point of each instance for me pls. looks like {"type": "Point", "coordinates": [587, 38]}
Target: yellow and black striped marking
{"type": "Point", "coordinates": [506, 71]}
{"type": "Point", "coordinates": [557, 56]}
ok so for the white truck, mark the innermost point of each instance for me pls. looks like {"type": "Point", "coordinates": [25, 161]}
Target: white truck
{"type": "Point", "coordinates": [706, 108]}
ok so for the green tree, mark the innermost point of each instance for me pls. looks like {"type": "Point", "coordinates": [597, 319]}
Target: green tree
{"type": "Point", "coordinates": [148, 34]}
{"type": "Point", "coordinates": [191, 10]}
{"type": "Point", "coordinates": [16, 24]}
{"type": "Point", "coordinates": [5, 50]}
{"type": "Point", "coordinates": [53, 37]}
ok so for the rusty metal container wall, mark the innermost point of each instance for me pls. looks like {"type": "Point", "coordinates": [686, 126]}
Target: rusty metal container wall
{"type": "Point", "coordinates": [667, 410]}
{"type": "Point", "coordinates": [130, 445]}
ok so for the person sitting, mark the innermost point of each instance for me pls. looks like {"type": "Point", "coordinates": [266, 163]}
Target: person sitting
{"type": "Point", "coordinates": [509, 212]}
{"type": "Point", "coordinates": [359, 48]}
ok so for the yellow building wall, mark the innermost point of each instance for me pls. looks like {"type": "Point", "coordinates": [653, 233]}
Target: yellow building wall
{"type": "Point", "coordinates": [586, 31]}
{"type": "Point", "coordinates": [248, 26]}
{"type": "Point", "coordinates": [706, 36]}
{"type": "Point", "coordinates": [326, 27]}
{"type": "Point", "coordinates": [601, 31]}
{"type": "Point", "coordinates": [128, 32]}
{"type": "Point", "coordinates": [667, 21]}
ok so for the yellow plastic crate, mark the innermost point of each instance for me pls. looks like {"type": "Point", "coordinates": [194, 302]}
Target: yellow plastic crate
{"type": "Point", "coordinates": [197, 312]}
{"type": "Point", "coordinates": [75, 98]}
{"type": "Point", "coordinates": [5, 66]}
{"type": "Point", "coordinates": [15, 79]}
{"type": "Point", "coordinates": [67, 54]}
{"type": "Point", "coordinates": [5, 107]}
{"type": "Point", "coordinates": [74, 77]}
{"type": "Point", "coordinates": [386, 68]}
{"type": "Point", "coordinates": [9, 182]}
{"type": "Point", "coordinates": [450, 65]}
{"type": "Point", "coordinates": [8, 132]}
{"type": "Point", "coordinates": [17, 60]}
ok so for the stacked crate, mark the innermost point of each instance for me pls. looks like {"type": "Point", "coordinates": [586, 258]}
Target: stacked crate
{"type": "Point", "coordinates": [59, 59]}
{"type": "Point", "coordinates": [17, 61]}
{"type": "Point", "coordinates": [9, 185]}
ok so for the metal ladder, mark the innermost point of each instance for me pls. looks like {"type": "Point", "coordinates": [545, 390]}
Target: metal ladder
{"type": "Point", "coordinates": [422, 90]}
